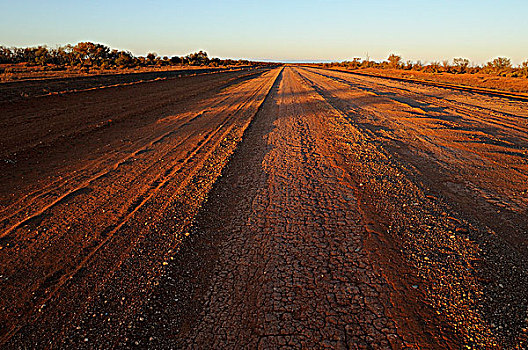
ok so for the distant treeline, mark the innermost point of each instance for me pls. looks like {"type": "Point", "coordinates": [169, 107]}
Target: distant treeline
{"type": "Point", "coordinates": [93, 55]}
{"type": "Point", "coordinates": [499, 66]}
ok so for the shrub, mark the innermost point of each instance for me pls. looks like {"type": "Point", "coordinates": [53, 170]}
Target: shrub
{"type": "Point", "coordinates": [460, 65]}
{"type": "Point", "coordinates": [394, 61]}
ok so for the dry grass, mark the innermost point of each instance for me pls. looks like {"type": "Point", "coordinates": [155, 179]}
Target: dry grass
{"type": "Point", "coordinates": [476, 80]}
{"type": "Point", "coordinates": [16, 72]}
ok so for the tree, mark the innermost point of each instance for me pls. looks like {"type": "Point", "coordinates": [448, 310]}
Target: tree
{"type": "Point", "coordinates": [87, 53]}
{"type": "Point", "coordinates": [501, 63]}
{"type": "Point", "coordinates": [6, 55]}
{"type": "Point", "coordinates": [175, 60]}
{"type": "Point", "coordinates": [394, 60]}
{"type": "Point", "coordinates": [65, 55]}
{"type": "Point", "coordinates": [215, 62]}
{"type": "Point", "coordinates": [41, 55]}
{"type": "Point", "coordinates": [125, 59]}
{"type": "Point", "coordinates": [151, 57]}
{"type": "Point", "coordinates": [197, 58]}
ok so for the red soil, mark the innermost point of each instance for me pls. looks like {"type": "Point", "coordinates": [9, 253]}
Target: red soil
{"type": "Point", "coordinates": [264, 208]}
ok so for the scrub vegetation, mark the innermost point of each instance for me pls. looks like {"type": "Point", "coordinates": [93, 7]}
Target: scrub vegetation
{"type": "Point", "coordinates": [94, 58]}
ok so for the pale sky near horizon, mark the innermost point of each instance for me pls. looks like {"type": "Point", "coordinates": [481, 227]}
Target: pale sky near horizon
{"type": "Point", "coordinates": [278, 30]}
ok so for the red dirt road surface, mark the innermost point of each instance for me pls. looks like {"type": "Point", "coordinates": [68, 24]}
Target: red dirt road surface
{"type": "Point", "coordinates": [264, 208]}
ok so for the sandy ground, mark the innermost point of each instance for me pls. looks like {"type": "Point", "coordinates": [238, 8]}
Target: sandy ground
{"type": "Point", "coordinates": [264, 208]}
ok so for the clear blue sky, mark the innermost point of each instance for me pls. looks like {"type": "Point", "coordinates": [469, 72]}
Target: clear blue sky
{"type": "Point", "coordinates": [278, 29]}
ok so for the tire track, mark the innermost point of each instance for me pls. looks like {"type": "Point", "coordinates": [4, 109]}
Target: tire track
{"type": "Point", "coordinates": [205, 147]}
{"type": "Point", "coordinates": [471, 290]}
{"type": "Point", "coordinates": [470, 112]}
{"type": "Point", "coordinates": [45, 191]}
{"type": "Point", "coordinates": [499, 153]}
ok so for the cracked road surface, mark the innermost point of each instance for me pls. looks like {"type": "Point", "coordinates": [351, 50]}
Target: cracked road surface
{"type": "Point", "coordinates": [290, 207]}
{"type": "Point", "coordinates": [293, 270]}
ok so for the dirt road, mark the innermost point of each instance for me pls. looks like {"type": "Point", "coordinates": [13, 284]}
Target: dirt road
{"type": "Point", "coordinates": [288, 207]}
